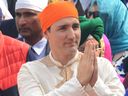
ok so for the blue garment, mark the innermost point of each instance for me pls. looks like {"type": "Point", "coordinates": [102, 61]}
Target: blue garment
{"type": "Point", "coordinates": [39, 50]}
{"type": "Point", "coordinates": [8, 27]}
{"type": "Point", "coordinates": [126, 94]}
{"type": "Point", "coordinates": [32, 55]}
{"type": "Point", "coordinates": [115, 16]}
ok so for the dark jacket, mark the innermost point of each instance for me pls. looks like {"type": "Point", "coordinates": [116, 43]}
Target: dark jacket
{"type": "Point", "coordinates": [8, 27]}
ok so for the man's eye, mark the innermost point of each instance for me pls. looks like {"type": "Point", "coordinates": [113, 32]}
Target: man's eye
{"type": "Point", "coordinates": [30, 14]}
{"type": "Point", "coordinates": [18, 15]}
{"type": "Point", "coordinates": [75, 26]}
{"type": "Point", "coordinates": [63, 28]}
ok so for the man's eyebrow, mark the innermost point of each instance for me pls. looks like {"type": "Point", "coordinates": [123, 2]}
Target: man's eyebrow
{"type": "Point", "coordinates": [76, 24]}
{"type": "Point", "coordinates": [64, 25]}
{"type": "Point", "coordinates": [68, 24]}
{"type": "Point", "coordinates": [17, 12]}
{"type": "Point", "coordinates": [27, 12]}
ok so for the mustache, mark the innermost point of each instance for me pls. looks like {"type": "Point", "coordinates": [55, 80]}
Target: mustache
{"type": "Point", "coordinates": [24, 29]}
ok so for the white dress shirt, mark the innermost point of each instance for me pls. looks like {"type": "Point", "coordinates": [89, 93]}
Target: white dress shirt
{"type": "Point", "coordinates": [40, 46]}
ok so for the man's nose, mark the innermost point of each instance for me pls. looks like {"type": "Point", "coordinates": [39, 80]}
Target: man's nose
{"type": "Point", "coordinates": [71, 33]}
{"type": "Point", "coordinates": [22, 20]}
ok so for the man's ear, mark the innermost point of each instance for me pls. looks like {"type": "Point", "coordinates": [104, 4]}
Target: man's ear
{"type": "Point", "coordinates": [45, 34]}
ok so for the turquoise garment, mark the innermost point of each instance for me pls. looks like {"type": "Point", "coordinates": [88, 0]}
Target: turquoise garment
{"type": "Point", "coordinates": [115, 17]}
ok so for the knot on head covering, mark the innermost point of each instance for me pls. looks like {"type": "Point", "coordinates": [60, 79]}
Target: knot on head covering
{"type": "Point", "coordinates": [56, 11]}
{"type": "Point", "coordinates": [37, 5]}
{"type": "Point", "coordinates": [92, 27]}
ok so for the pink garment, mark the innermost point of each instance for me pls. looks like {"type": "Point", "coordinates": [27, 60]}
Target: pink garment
{"type": "Point", "coordinates": [107, 49]}
{"type": "Point", "coordinates": [108, 53]}
{"type": "Point", "coordinates": [121, 78]}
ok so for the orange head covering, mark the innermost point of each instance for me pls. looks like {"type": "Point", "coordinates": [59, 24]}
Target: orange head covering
{"type": "Point", "coordinates": [56, 11]}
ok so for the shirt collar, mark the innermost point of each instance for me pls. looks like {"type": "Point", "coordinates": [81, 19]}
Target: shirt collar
{"type": "Point", "coordinates": [40, 45]}
{"type": "Point", "coordinates": [74, 59]}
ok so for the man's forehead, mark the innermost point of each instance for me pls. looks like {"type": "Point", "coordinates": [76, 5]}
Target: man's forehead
{"type": "Point", "coordinates": [23, 10]}
{"type": "Point", "coordinates": [66, 21]}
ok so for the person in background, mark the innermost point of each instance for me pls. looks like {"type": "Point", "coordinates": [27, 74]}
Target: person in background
{"type": "Point", "coordinates": [8, 26]}
{"type": "Point", "coordinates": [94, 28]}
{"type": "Point", "coordinates": [9, 30]}
{"type": "Point", "coordinates": [90, 29]}
{"type": "Point", "coordinates": [115, 17]}
{"type": "Point", "coordinates": [1, 15]}
{"type": "Point", "coordinates": [6, 14]}
{"type": "Point", "coordinates": [107, 48]}
{"type": "Point", "coordinates": [66, 71]}
{"type": "Point", "coordinates": [11, 6]}
{"type": "Point", "coordinates": [13, 53]}
{"type": "Point", "coordinates": [29, 27]}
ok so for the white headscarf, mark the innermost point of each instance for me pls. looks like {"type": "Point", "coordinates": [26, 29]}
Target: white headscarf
{"type": "Point", "coordinates": [37, 5]}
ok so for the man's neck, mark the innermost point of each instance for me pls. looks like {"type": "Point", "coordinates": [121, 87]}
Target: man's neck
{"type": "Point", "coordinates": [64, 58]}
{"type": "Point", "coordinates": [32, 41]}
